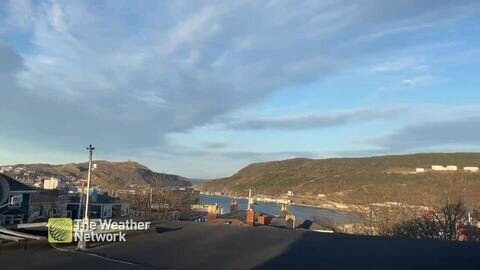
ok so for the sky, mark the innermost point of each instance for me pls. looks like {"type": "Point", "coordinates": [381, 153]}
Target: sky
{"type": "Point", "coordinates": [204, 88]}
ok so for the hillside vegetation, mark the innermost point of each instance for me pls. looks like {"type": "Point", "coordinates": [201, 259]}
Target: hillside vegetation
{"type": "Point", "coordinates": [111, 175]}
{"type": "Point", "coordinates": [354, 180]}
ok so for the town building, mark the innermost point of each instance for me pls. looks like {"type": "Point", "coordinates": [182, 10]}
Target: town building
{"type": "Point", "coordinates": [420, 170]}
{"type": "Point", "coordinates": [52, 183]}
{"type": "Point", "coordinates": [14, 201]}
{"type": "Point", "coordinates": [45, 204]}
{"type": "Point", "coordinates": [471, 169]}
{"type": "Point", "coordinates": [451, 168]}
{"type": "Point", "coordinates": [6, 169]}
{"type": "Point", "coordinates": [18, 170]}
{"type": "Point", "coordinates": [100, 206]}
{"type": "Point", "coordinates": [444, 168]}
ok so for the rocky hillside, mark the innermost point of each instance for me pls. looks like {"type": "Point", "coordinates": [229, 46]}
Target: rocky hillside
{"type": "Point", "coordinates": [353, 179]}
{"type": "Point", "coordinates": [110, 174]}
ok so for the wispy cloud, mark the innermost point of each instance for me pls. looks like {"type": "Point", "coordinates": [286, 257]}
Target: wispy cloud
{"type": "Point", "coordinates": [439, 133]}
{"type": "Point", "coordinates": [319, 120]}
{"type": "Point", "coordinates": [418, 80]}
{"type": "Point", "coordinates": [251, 156]}
{"type": "Point", "coordinates": [215, 145]}
{"type": "Point", "coordinates": [402, 64]}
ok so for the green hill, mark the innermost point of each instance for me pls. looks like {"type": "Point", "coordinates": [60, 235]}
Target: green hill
{"type": "Point", "coordinates": [354, 180]}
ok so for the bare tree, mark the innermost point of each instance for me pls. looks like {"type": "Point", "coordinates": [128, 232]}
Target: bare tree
{"type": "Point", "coordinates": [166, 202]}
{"type": "Point", "coordinates": [446, 224]}
{"type": "Point", "coordinates": [379, 220]}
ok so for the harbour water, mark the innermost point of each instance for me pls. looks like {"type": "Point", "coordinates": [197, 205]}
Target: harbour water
{"type": "Point", "coordinates": [303, 212]}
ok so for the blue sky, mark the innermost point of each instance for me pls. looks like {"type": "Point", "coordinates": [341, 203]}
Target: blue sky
{"type": "Point", "coordinates": [203, 88]}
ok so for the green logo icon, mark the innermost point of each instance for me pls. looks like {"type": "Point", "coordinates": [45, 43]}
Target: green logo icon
{"type": "Point", "coordinates": [60, 230]}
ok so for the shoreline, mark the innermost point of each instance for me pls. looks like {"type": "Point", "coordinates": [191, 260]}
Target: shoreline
{"type": "Point", "coordinates": [327, 206]}
{"type": "Point", "coordinates": [332, 206]}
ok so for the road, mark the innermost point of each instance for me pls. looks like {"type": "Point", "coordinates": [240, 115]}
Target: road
{"type": "Point", "coordinates": [184, 245]}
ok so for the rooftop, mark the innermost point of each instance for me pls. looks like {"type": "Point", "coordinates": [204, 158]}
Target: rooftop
{"type": "Point", "coordinates": [185, 245]}
{"type": "Point", "coordinates": [16, 185]}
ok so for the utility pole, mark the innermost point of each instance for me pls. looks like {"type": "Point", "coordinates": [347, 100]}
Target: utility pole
{"type": "Point", "coordinates": [151, 201]}
{"type": "Point", "coordinates": [83, 244]}
{"type": "Point", "coordinates": [90, 149]}
{"type": "Point", "coordinates": [250, 199]}
{"type": "Point", "coordinates": [80, 205]}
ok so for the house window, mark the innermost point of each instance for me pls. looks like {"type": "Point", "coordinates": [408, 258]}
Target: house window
{"type": "Point", "coordinates": [13, 219]}
{"type": "Point", "coordinates": [15, 201]}
{"type": "Point", "coordinates": [107, 211]}
{"type": "Point", "coordinates": [54, 212]}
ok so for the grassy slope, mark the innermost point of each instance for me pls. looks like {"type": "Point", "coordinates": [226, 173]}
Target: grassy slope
{"type": "Point", "coordinates": [353, 179]}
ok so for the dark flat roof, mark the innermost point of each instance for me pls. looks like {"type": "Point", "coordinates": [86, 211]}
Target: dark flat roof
{"type": "Point", "coordinates": [186, 245]}
{"type": "Point", "coordinates": [16, 185]}
{"type": "Point", "coordinates": [101, 199]}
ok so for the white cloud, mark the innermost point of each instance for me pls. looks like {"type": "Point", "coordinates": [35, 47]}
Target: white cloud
{"type": "Point", "coordinates": [133, 73]}
{"type": "Point", "coordinates": [192, 29]}
{"type": "Point", "coordinates": [402, 64]}
{"type": "Point", "coordinates": [19, 14]}
{"type": "Point", "coordinates": [418, 80]}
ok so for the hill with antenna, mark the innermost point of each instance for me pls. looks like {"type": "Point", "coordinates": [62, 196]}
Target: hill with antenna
{"type": "Point", "coordinates": [107, 175]}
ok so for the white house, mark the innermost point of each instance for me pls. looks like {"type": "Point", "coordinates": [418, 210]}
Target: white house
{"type": "Point", "coordinates": [53, 183]}
{"type": "Point", "coordinates": [451, 168]}
{"type": "Point", "coordinates": [420, 170]}
{"type": "Point", "coordinates": [438, 168]}
{"type": "Point", "coordinates": [6, 169]}
{"type": "Point", "coordinates": [444, 168]}
{"type": "Point", "coordinates": [471, 169]}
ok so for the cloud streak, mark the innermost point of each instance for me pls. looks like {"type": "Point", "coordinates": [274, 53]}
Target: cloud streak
{"type": "Point", "coordinates": [319, 120]}
{"type": "Point", "coordinates": [248, 156]}
{"type": "Point", "coordinates": [464, 132]}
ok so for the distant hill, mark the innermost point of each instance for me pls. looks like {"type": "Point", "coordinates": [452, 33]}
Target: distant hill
{"type": "Point", "coordinates": [196, 181]}
{"type": "Point", "coordinates": [352, 180]}
{"type": "Point", "coordinates": [111, 174]}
